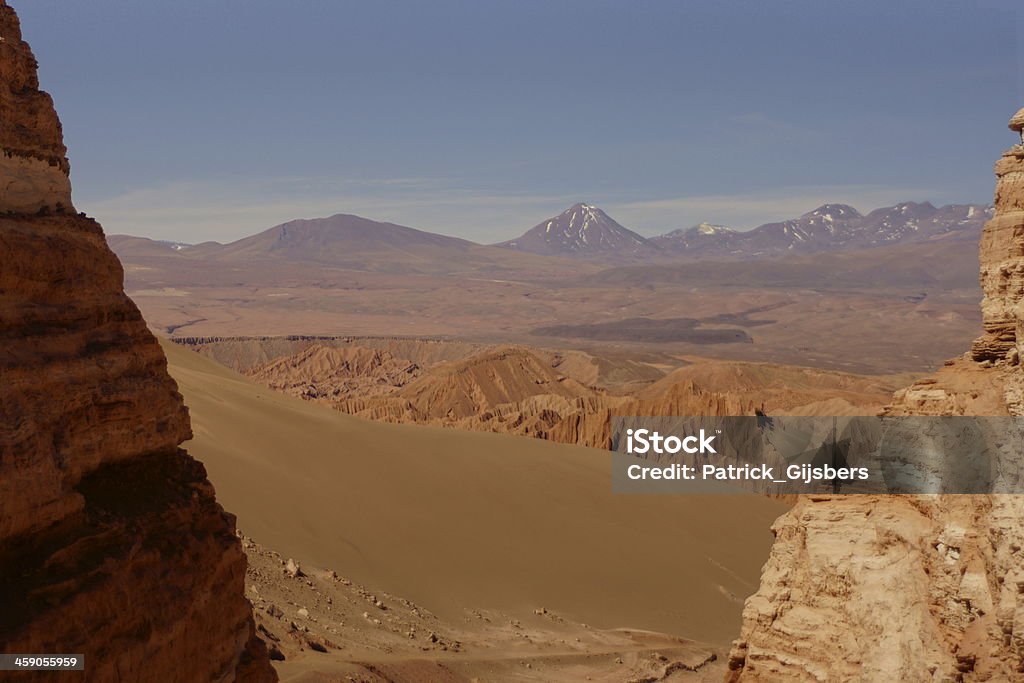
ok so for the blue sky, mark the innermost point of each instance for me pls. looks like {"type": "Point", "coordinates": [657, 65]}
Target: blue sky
{"type": "Point", "coordinates": [213, 119]}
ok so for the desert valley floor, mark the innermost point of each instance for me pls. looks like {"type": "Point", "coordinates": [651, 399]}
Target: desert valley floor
{"type": "Point", "coordinates": [513, 548]}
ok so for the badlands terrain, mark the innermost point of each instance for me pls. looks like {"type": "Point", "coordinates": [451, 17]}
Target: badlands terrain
{"type": "Point", "coordinates": [566, 396]}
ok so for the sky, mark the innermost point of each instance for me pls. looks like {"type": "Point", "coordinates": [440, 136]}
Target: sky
{"type": "Point", "coordinates": [214, 119]}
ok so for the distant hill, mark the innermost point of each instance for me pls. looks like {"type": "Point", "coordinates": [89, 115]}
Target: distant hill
{"type": "Point", "coordinates": [336, 238]}
{"type": "Point", "coordinates": [128, 246]}
{"type": "Point", "coordinates": [343, 242]}
{"type": "Point", "coordinates": [581, 230]}
{"type": "Point", "coordinates": [350, 242]}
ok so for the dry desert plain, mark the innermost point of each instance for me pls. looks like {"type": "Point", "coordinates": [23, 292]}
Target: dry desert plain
{"type": "Point", "coordinates": [904, 307]}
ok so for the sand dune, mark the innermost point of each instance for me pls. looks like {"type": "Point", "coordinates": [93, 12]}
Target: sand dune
{"type": "Point", "coordinates": [457, 520]}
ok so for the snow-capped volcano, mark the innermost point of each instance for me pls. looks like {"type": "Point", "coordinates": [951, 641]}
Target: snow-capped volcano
{"type": "Point", "coordinates": [581, 229]}
{"type": "Point", "coordinates": [709, 229]}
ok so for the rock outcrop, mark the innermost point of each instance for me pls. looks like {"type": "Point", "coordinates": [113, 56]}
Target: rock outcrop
{"type": "Point", "coordinates": [559, 396]}
{"type": "Point", "coordinates": [870, 588]}
{"type": "Point", "coordinates": [324, 372]}
{"type": "Point", "coordinates": [111, 541]}
{"type": "Point", "coordinates": [911, 588]}
{"type": "Point", "coordinates": [1002, 263]}
{"type": "Point", "coordinates": [33, 164]}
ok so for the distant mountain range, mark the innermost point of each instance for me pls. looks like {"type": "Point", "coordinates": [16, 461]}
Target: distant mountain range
{"type": "Point", "coordinates": [868, 278]}
{"type": "Point", "coordinates": [832, 227]}
{"type": "Point", "coordinates": [586, 231]}
{"type": "Point", "coordinates": [582, 232]}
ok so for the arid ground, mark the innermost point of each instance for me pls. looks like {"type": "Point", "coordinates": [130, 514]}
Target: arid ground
{"type": "Point", "coordinates": [513, 547]}
{"type": "Point", "coordinates": [362, 408]}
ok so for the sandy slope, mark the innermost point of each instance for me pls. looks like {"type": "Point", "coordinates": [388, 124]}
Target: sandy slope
{"type": "Point", "coordinates": [456, 520]}
{"type": "Point", "coordinates": [322, 628]}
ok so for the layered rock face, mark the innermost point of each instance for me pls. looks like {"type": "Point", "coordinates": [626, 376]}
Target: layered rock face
{"type": "Point", "coordinates": [871, 588]}
{"type": "Point", "coordinates": [1002, 264]}
{"type": "Point", "coordinates": [33, 166]}
{"type": "Point", "coordinates": [111, 541]}
{"type": "Point", "coordinates": [911, 588]}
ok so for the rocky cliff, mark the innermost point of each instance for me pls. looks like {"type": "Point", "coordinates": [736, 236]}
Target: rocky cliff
{"type": "Point", "coordinates": [1002, 263]}
{"type": "Point", "coordinates": [111, 541]}
{"type": "Point", "coordinates": [33, 166]}
{"type": "Point", "coordinates": [911, 588]}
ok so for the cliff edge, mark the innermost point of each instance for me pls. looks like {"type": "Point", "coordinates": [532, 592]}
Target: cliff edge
{"type": "Point", "coordinates": [911, 588]}
{"type": "Point", "coordinates": [33, 164]}
{"type": "Point", "coordinates": [111, 541]}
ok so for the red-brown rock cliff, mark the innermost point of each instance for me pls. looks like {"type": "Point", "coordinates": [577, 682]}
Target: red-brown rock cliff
{"type": "Point", "coordinates": [111, 541]}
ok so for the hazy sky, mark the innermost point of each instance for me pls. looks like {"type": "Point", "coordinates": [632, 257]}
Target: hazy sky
{"type": "Point", "coordinates": [213, 119]}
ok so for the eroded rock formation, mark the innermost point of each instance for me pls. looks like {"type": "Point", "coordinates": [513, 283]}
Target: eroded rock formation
{"type": "Point", "coordinates": [911, 588]}
{"type": "Point", "coordinates": [111, 541]}
{"type": "Point", "coordinates": [568, 397]}
{"type": "Point", "coordinates": [323, 372]}
{"type": "Point", "coordinates": [33, 163]}
{"type": "Point", "coordinates": [1002, 263]}
{"type": "Point", "coordinates": [512, 390]}
{"type": "Point", "coordinates": [868, 588]}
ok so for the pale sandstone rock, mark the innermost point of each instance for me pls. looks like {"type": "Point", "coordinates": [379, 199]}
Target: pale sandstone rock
{"type": "Point", "coordinates": [1017, 121]}
{"type": "Point", "coordinates": [111, 541]}
{"type": "Point", "coordinates": [910, 588]}
{"type": "Point", "coordinates": [885, 588]}
{"type": "Point", "coordinates": [29, 185]}
{"type": "Point", "coordinates": [1002, 262]}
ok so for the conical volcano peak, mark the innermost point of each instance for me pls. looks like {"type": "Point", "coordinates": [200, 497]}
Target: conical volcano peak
{"type": "Point", "coordinates": [583, 207]}
{"type": "Point", "coordinates": [582, 229]}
